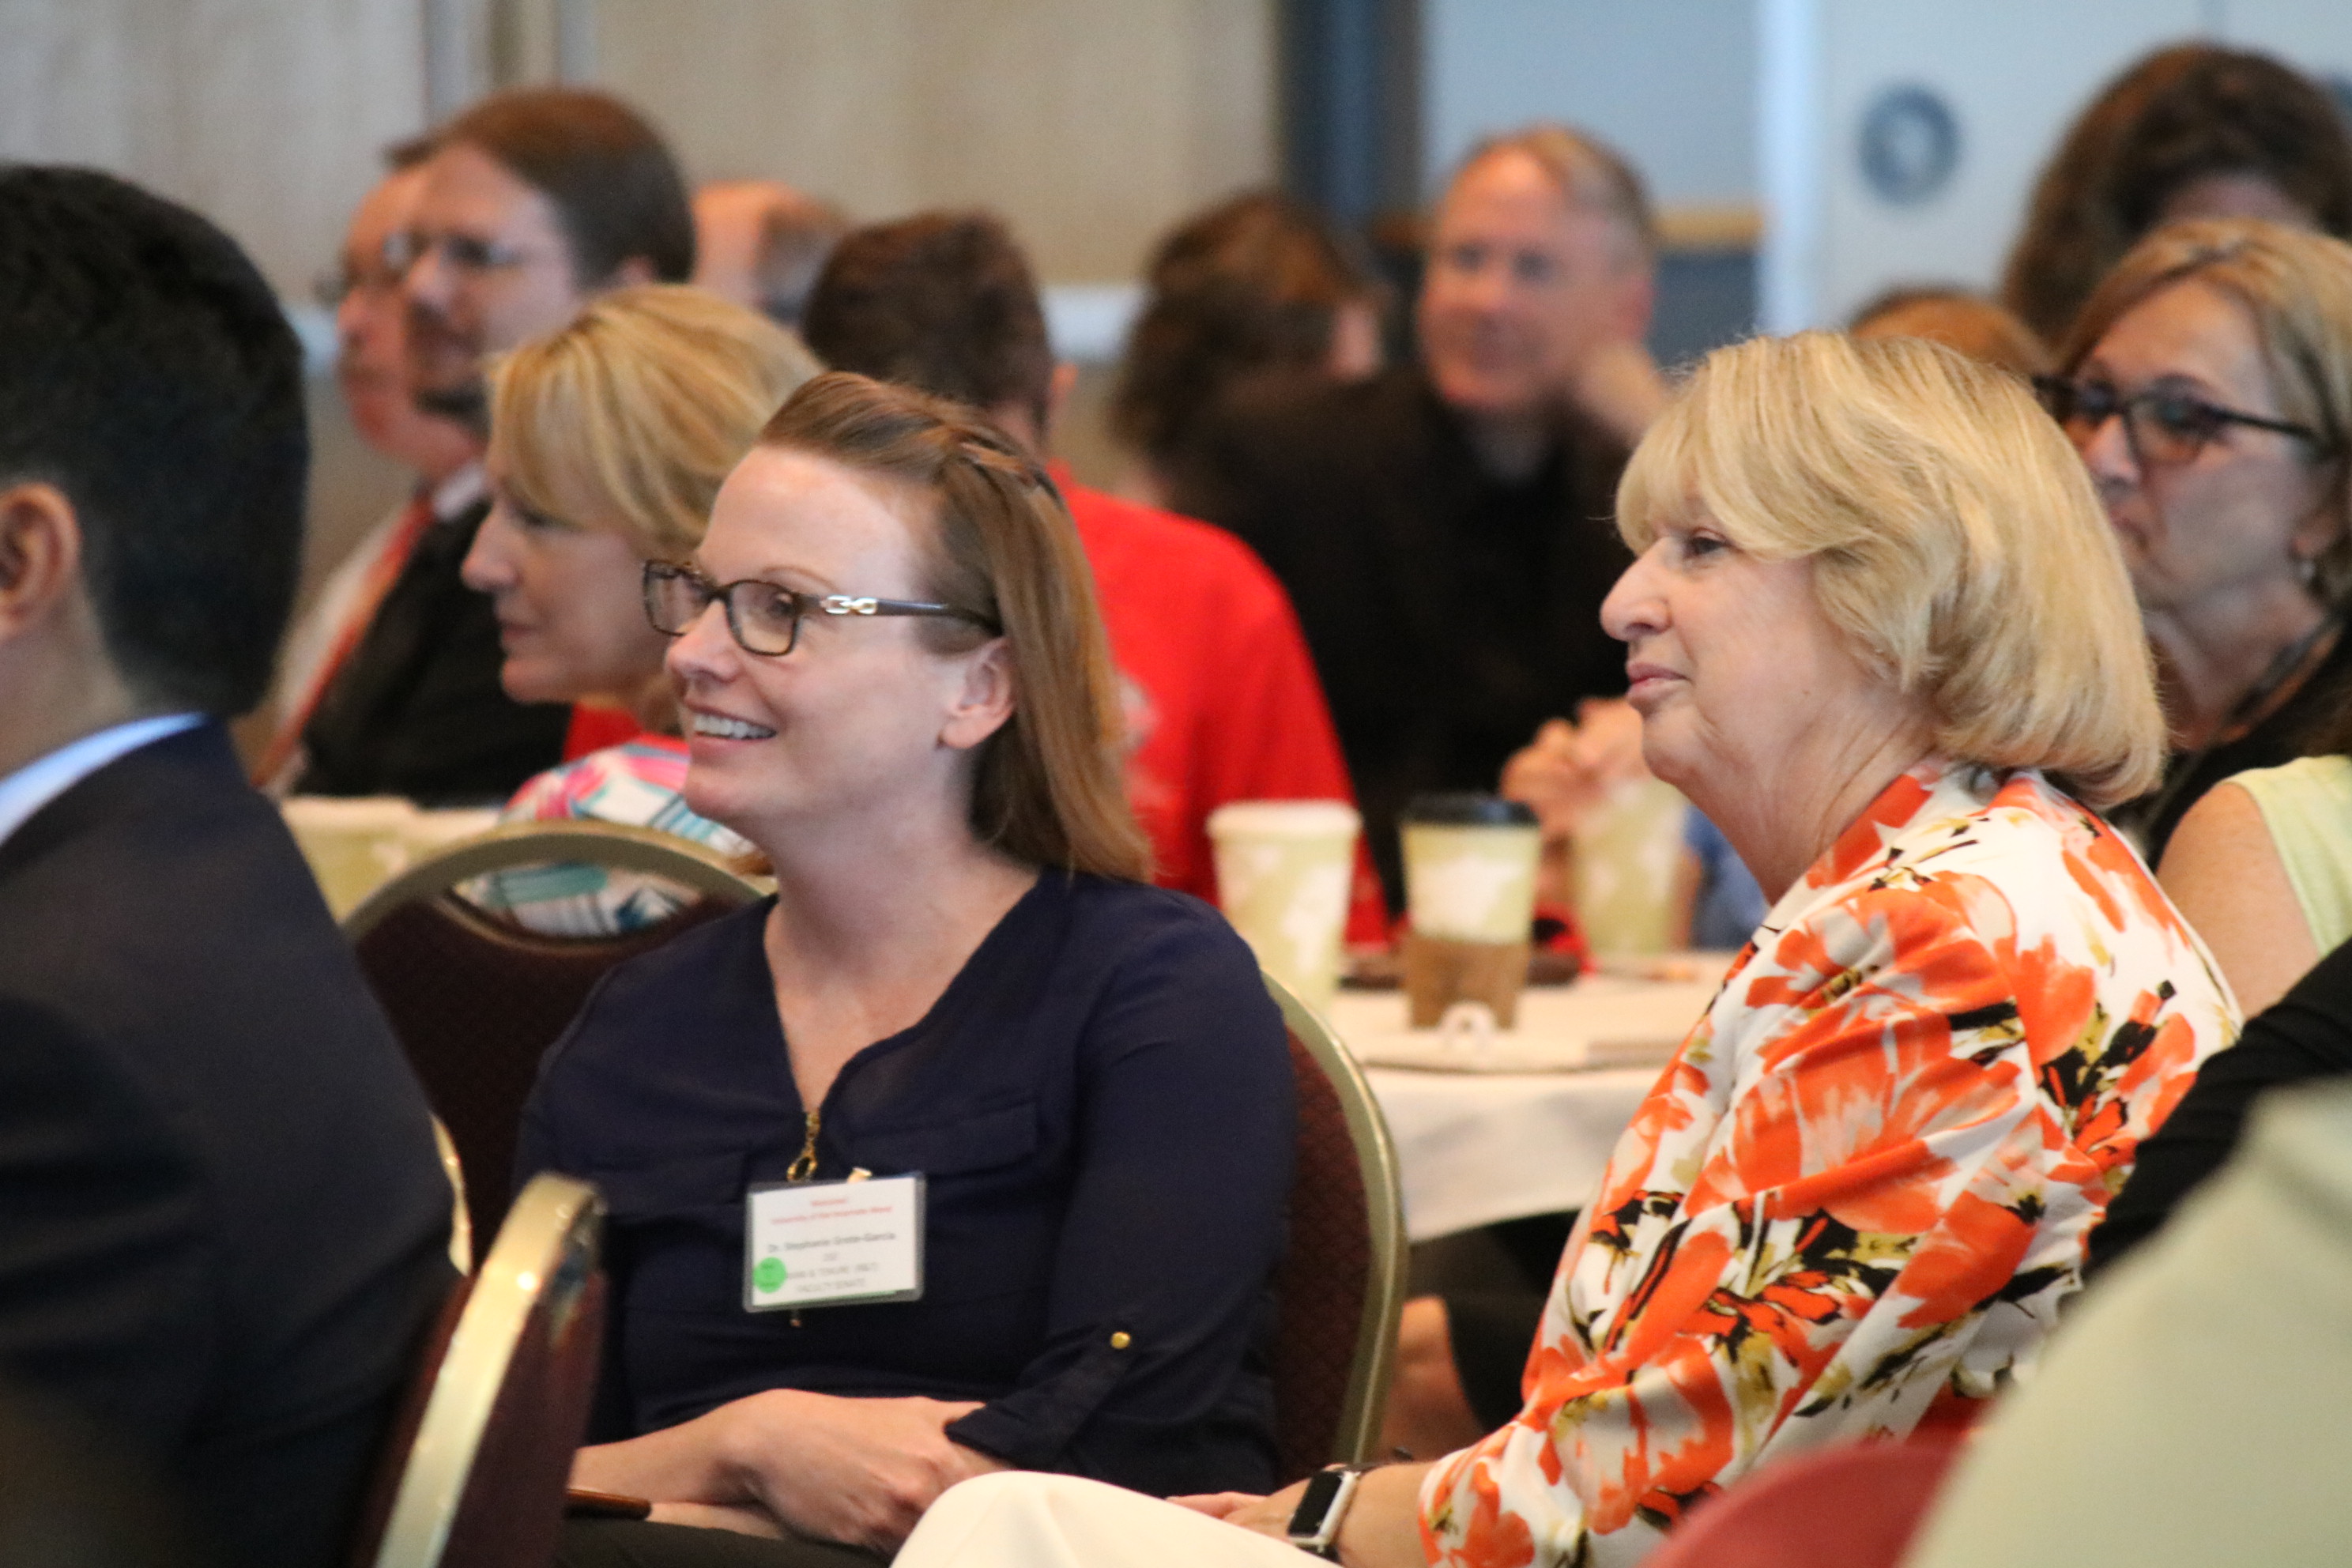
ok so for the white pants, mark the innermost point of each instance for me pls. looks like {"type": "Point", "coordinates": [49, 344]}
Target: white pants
{"type": "Point", "coordinates": [1023, 1520]}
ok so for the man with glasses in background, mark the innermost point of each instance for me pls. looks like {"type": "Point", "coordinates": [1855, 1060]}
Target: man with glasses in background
{"type": "Point", "coordinates": [531, 204]}
{"type": "Point", "coordinates": [372, 374]}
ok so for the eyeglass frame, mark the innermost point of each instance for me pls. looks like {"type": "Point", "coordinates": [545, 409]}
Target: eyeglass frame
{"type": "Point", "coordinates": [802, 605]}
{"type": "Point", "coordinates": [2050, 390]}
{"type": "Point", "coordinates": [468, 254]}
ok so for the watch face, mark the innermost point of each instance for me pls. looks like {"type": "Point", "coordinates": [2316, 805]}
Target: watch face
{"type": "Point", "coordinates": [1322, 1487]}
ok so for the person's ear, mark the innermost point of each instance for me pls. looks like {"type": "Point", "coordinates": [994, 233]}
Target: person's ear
{"type": "Point", "coordinates": [985, 700]}
{"type": "Point", "coordinates": [40, 555]}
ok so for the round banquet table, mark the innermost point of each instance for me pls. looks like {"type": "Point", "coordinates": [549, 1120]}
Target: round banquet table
{"type": "Point", "coordinates": [1477, 1145]}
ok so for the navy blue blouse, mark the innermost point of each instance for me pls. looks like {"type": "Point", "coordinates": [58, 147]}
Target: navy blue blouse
{"type": "Point", "coordinates": [1101, 1105]}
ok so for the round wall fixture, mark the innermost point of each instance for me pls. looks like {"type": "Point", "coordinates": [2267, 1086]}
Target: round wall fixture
{"type": "Point", "coordinates": [1910, 144]}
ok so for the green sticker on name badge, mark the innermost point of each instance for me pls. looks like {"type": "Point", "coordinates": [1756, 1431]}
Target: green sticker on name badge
{"type": "Point", "coordinates": [769, 1274]}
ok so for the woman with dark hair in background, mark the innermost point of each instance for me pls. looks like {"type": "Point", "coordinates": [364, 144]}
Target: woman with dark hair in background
{"type": "Point", "coordinates": [896, 685]}
{"type": "Point", "coordinates": [1259, 284]}
{"type": "Point", "coordinates": [2190, 131]}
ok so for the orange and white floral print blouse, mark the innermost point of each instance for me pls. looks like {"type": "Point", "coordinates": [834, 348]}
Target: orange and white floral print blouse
{"type": "Point", "coordinates": [1859, 1192]}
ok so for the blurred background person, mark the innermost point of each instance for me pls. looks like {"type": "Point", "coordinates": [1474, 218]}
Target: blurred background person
{"type": "Point", "coordinates": [761, 244]}
{"type": "Point", "coordinates": [222, 1219]}
{"type": "Point", "coordinates": [371, 372]}
{"type": "Point", "coordinates": [1442, 527]}
{"type": "Point", "coordinates": [962, 975]}
{"type": "Point", "coordinates": [609, 440]}
{"type": "Point", "coordinates": [2205, 384]}
{"type": "Point", "coordinates": [1217, 687]}
{"type": "Point", "coordinates": [2261, 863]}
{"type": "Point", "coordinates": [2190, 131]}
{"type": "Point", "coordinates": [1258, 285]}
{"type": "Point", "coordinates": [1878, 631]}
{"type": "Point", "coordinates": [1959, 319]}
{"type": "Point", "coordinates": [532, 203]}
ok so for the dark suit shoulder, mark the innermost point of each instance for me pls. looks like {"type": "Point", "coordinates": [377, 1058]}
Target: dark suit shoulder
{"type": "Point", "coordinates": [234, 1227]}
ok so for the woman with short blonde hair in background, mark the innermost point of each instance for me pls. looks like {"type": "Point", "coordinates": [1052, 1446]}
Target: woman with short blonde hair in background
{"type": "Point", "coordinates": [1879, 632]}
{"type": "Point", "coordinates": [609, 440]}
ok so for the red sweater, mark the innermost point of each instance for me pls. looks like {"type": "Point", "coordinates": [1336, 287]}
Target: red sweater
{"type": "Point", "coordinates": [1219, 693]}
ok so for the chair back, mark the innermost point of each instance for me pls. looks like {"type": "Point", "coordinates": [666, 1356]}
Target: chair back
{"type": "Point", "coordinates": [1341, 1285]}
{"type": "Point", "coordinates": [1855, 1506]}
{"type": "Point", "coordinates": [474, 1470]}
{"type": "Point", "coordinates": [476, 998]}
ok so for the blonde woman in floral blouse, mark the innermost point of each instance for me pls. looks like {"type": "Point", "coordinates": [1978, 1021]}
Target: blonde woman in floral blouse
{"type": "Point", "coordinates": [1878, 631]}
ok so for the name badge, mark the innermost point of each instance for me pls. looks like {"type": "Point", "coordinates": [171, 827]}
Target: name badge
{"type": "Point", "coordinates": [825, 1244]}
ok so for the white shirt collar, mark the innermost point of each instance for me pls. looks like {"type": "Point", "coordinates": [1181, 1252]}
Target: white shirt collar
{"type": "Point", "coordinates": [458, 492]}
{"type": "Point", "coordinates": [44, 779]}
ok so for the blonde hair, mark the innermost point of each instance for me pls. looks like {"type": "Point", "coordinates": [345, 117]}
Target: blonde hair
{"type": "Point", "coordinates": [2297, 287]}
{"type": "Point", "coordinates": [1048, 787]}
{"type": "Point", "coordinates": [631, 417]}
{"type": "Point", "coordinates": [1957, 544]}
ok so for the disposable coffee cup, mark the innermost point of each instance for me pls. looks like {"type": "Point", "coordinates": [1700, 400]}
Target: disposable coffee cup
{"type": "Point", "coordinates": [1284, 868]}
{"type": "Point", "coordinates": [1470, 864]}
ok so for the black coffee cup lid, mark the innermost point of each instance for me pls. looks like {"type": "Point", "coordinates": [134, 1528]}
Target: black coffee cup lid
{"type": "Point", "coordinates": [1468, 808]}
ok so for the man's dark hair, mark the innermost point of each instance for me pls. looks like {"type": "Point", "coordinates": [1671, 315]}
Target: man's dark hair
{"type": "Point", "coordinates": [151, 376]}
{"type": "Point", "coordinates": [616, 189]}
{"type": "Point", "coordinates": [943, 302]}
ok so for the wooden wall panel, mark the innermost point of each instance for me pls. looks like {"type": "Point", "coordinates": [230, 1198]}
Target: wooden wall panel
{"type": "Point", "coordinates": [1092, 125]}
{"type": "Point", "coordinates": [268, 115]}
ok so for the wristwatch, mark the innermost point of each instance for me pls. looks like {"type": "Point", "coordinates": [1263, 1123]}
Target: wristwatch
{"type": "Point", "coordinates": [1315, 1525]}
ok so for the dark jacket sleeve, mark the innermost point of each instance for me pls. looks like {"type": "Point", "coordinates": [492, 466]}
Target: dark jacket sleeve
{"type": "Point", "coordinates": [1159, 1286]}
{"type": "Point", "coordinates": [2307, 1035]}
{"type": "Point", "coordinates": [107, 1275]}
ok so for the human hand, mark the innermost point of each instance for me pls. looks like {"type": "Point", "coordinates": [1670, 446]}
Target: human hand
{"type": "Point", "coordinates": [1618, 384]}
{"type": "Point", "coordinates": [860, 1471]}
{"type": "Point", "coordinates": [1567, 773]}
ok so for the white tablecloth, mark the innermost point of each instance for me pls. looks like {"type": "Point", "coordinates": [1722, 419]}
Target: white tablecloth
{"type": "Point", "coordinates": [1477, 1147]}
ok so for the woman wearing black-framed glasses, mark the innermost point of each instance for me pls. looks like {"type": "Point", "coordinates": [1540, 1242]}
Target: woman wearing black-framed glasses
{"type": "Point", "coordinates": [2207, 385]}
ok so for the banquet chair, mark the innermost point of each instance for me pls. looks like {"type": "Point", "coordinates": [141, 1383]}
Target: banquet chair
{"type": "Point", "coordinates": [475, 998]}
{"type": "Point", "coordinates": [1340, 1284]}
{"type": "Point", "coordinates": [473, 1473]}
{"type": "Point", "coordinates": [1855, 1506]}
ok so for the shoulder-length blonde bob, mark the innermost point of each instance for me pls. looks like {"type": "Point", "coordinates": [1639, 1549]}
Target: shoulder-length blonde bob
{"type": "Point", "coordinates": [1048, 787]}
{"type": "Point", "coordinates": [629, 417]}
{"type": "Point", "coordinates": [2297, 288]}
{"type": "Point", "coordinates": [1956, 541]}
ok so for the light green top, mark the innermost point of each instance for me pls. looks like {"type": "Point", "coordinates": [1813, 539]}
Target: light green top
{"type": "Point", "coordinates": [2307, 806]}
{"type": "Point", "coordinates": [2192, 1411]}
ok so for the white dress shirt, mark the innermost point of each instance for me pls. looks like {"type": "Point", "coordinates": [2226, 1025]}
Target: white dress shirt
{"type": "Point", "coordinates": [44, 779]}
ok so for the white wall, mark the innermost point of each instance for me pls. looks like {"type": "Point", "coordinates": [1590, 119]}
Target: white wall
{"type": "Point", "coordinates": [1671, 83]}
{"type": "Point", "coordinates": [2014, 72]}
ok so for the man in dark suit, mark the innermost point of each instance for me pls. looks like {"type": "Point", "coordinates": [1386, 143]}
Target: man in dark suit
{"type": "Point", "coordinates": [532, 203]}
{"type": "Point", "coordinates": [1444, 528]}
{"type": "Point", "coordinates": [222, 1220]}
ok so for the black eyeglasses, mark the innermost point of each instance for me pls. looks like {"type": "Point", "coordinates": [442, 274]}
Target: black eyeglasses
{"type": "Point", "coordinates": [2165, 428]}
{"type": "Point", "coordinates": [765, 617]}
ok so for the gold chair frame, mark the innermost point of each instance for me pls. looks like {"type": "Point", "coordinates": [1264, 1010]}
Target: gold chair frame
{"type": "Point", "coordinates": [1357, 1438]}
